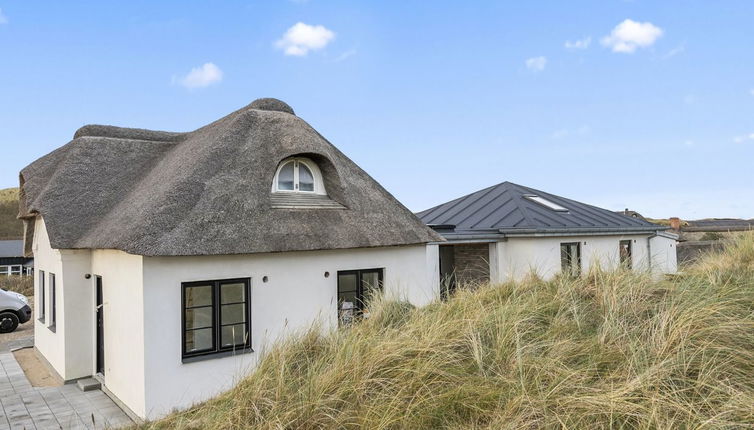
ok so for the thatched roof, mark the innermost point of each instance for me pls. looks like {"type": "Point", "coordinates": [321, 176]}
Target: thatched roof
{"type": "Point", "coordinates": [207, 192]}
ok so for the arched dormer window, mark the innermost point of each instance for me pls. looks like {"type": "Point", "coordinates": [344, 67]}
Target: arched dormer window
{"type": "Point", "coordinates": [298, 175]}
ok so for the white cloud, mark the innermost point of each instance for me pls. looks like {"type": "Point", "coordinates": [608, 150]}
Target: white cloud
{"type": "Point", "coordinates": [536, 64]}
{"type": "Point", "coordinates": [302, 38]}
{"type": "Point", "coordinates": [673, 52]}
{"type": "Point", "coordinates": [629, 35]}
{"type": "Point", "coordinates": [200, 77]}
{"type": "Point", "coordinates": [564, 132]}
{"type": "Point", "coordinates": [345, 55]}
{"type": "Point", "coordinates": [579, 44]}
{"type": "Point", "coordinates": [744, 138]}
{"type": "Point", "coordinates": [3, 18]}
{"type": "Point", "coordinates": [559, 134]}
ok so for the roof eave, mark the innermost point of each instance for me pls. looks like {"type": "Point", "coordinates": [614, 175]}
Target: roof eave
{"type": "Point", "coordinates": [502, 234]}
{"type": "Point", "coordinates": [581, 231]}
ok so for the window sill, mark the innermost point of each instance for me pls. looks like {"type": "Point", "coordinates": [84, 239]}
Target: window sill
{"type": "Point", "coordinates": [41, 320]}
{"type": "Point", "coordinates": [212, 356]}
{"type": "Point", "coordinates": [51, 328]}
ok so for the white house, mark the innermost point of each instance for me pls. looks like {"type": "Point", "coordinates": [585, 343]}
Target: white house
{"type": "Point", "coordinates": [508, 231]}
{"type": "Point", "coordinates": [167, 262]}
{"type": "Point", "coordinates": [12, 260]}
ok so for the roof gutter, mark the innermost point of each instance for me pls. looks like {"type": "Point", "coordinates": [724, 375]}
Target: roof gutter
{"type": "Point", "coordinates": [580, 231]}
{"type": "Point", "coordinates": [503, 234]}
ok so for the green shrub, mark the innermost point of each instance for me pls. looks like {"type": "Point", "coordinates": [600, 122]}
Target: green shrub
{"type": "Point", "coordinates": [608, 350]}
{"type": "Point", "coordinates": [712, 235]}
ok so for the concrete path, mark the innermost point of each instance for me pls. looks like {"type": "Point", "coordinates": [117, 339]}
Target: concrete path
{"type": "Point", "coordinates": [42, 408]}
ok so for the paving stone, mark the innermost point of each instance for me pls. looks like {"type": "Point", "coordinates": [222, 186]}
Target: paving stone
{"type": "Point", "coordinates": [88, 384]}
{"type": "Point", "coordinates": [25, 407]}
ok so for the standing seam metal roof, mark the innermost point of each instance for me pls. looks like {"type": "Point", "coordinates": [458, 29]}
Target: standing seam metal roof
{"type": "Point", "coordinates": [505, 208]}
{"type": "Point", "coordinates": [11, 248]}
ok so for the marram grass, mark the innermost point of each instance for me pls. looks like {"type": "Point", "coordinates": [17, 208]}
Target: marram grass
{"type": "Point", "coordinates": [610, 350]}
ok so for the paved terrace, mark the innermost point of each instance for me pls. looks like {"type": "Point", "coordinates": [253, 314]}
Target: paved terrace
{"type": "Point", "coordinates": [42, 408]}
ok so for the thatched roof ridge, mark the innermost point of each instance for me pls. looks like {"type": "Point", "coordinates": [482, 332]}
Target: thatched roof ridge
{"type": "Point", "coordinates": [207, 191]}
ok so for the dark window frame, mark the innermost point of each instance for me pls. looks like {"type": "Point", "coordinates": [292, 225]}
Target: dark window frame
{"type": "Point", "coordinates": [41, 308]}
{"type": "Point", "coordinates": [217, 350]}
{"type": "Point", "coordinates": [53, 299]}
{"type": "Point", "coordinates": [359, 309]}
{"type": "Point", "coordinates": [626, 260]}
{"type": "Point", "coordinates": [578, 259]}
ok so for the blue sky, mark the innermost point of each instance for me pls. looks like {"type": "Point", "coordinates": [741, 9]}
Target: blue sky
{"type": "Point", "coordinates": [640, 104]}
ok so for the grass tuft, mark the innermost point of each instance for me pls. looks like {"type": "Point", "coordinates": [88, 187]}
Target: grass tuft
{"type": "Point", "coordinates": [19, 284]}
{"type": "Point", "coordinates": [608, 350]}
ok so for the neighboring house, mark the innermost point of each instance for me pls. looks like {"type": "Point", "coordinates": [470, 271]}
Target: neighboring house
{"type": "Point", "coordinates": [12, 260]}
{"type": "Point", "coordinates": [167, 262]}
{"type": "Point", "coordinates": [508, 231]}
{"type": "Point", "coordinates": [632, 214]}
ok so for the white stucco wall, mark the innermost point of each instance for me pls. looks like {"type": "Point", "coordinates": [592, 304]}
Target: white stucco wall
{"type": "Point", "coordinates": [296, 294]}
{"type": "Point", "coordinates": [517, 257]}
{"type": "Point", "coordinates": [664, 255]}
{"type": "Point", "coordinates": [142, 311]}
{"type": "Point", "coordinates": [71, 348]}
{"type": "Point", "coordinates": [124, 322]}
{"type": "Point", "coordinates": [48, 343]}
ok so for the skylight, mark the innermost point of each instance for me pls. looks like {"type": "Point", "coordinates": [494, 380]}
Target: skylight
{"type": "Point", "coordinates": [544, 202]}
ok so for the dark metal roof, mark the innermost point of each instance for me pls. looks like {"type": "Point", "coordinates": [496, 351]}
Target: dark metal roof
{"type": "Point", "coordinates": [11, 248]}
{"type": "Point", "coordinates": [507, 208]}
{"type": "Point", "coordinates": [722, 222]}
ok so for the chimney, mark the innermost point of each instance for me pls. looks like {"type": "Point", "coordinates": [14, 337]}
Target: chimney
{"type": "Point", "coordinates": [625, 212]}
{"type": "Point", "coordinates": [675, 223]}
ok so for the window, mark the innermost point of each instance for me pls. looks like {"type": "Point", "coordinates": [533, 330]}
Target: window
{"type": "Point", "coordinates": [570, 258]}
{"type": "Point", "coordinates": [216, 317]}
{"type": "Point", "coordinates": [624, 248]}
{"type": "Point", "coordinates": [4, 270]}
{"type": "Point", "coordinates": [15, 270]}
{"type": "Point", "coordinates": [544, 202]}
{"type": "Point", "coordinates": [298, 175]}
{"type": "Point", "coordinates": [41, 302]}
{"type": "Point", "coordinates": [52, 302]}
{"type": "Point", "coordinates": [355, 289]}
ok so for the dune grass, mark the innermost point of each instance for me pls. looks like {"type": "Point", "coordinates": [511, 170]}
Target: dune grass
{"type": "Point", "coordinates": [17, 283]}
{"type": "Point", "coordinates": [10, 226]}
{"type": "Point", "coordinates": [610, 350]}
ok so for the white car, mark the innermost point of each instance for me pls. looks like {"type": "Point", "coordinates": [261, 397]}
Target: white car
{"type": "Point", "coordinates": [14, 310]}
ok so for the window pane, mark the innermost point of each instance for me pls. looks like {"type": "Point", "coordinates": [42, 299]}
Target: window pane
{"type": "Point", "coordinates": [347, 282]}
{"type": "Point", "coordinates": [232, 314]}
{"type": "Point", "coordinates": [198, 340]}
{"type": "Point", "coordinates": [285, 177]}
{"type": "Point", "coordinates": [232, 293]}
{"type": "Point", "coordinates": [347, 300]}
{"type": "Point", "coordinates": [625, 252]}
{"type": "Point", "coordinates": [305, 178]}
{"type": "Point", "coordinates": [199, 317]}
{"type": "Point", "coordinates": [3, 270]}
{"type": "Point", "coordinates": [370, 283]}
{"type": "Point", "coordinates": [200, 295]}
{"type": "Point", "coordinates": [233, 335]}
{"type": "Point", "coordinates": [569, 259]}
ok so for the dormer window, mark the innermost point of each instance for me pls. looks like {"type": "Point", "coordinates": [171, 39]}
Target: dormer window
{"type": "Point", "coordinates": [298, 175]}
